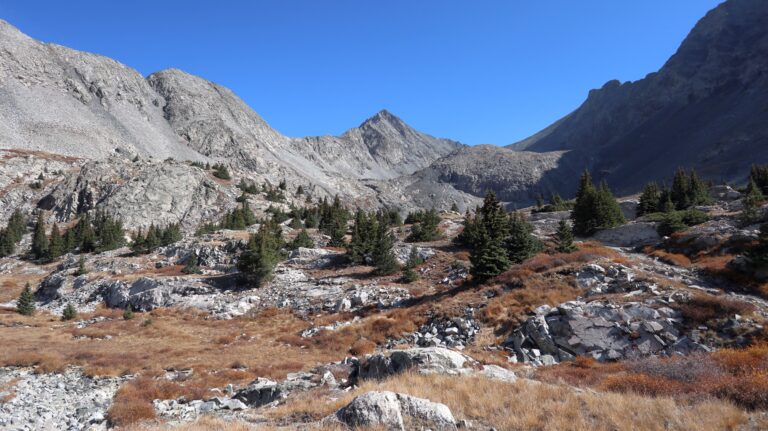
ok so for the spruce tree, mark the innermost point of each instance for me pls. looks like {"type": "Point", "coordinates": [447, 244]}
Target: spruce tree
{"type": "Point", "coordinates": [364, 232]}
{"type": "Point", "coordinates": [69, 313]}
{"type": "Point", "coordinates": [583, 215]}
{"type": "Point", "coordinates": [608, 211]}
{"type": "Point", "coordinates": [26, 302]}
{"type": "Point", "coordinates": [426, 229]}
{"type": "Point", "coordinates": [752, 199]}
{"type": "Point", "coordinates": [128, 313]}
{"type": "Point", "coordinates": [681, 189]}
{"type": "Point", "coordinates": [302, 240]}
{"type": "Point", "coordinates": [81, 269]}
{"type": "Point", "coordinates": [564, 238]}
{"type": "Point", "coordinates": [383, 256]}
{"type": "Point", "coordinates": [55, 243]}
{"type": "Point", "coordinates": [650, 199]}
{"type": "Point", "coordinates": [488, 256]}
{"type": "Point", "coordinates": [521, 244]}
{"type": "Point", "coordinates": [192, 266]}
{"type": "Point", "coordinates": [698, 193]}
{"type": "Point", "coordinates": [468, 236]}
{"type": "Point", "coordinates": [759, 174]}
{"type": "Point", "coordinates": [262, 254]}
{"type": "Point", "coordinates": [39, 238]}
{"type": "Point", "coordinates": [409, 273]}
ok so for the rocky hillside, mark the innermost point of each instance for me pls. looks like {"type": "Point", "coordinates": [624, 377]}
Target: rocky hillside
{"type": "Point", "coordinates": [705, 108]}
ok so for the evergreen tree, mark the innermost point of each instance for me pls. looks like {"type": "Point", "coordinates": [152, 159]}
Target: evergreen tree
{"type": "Point", "coordinates": [26, 302]}
{"type": "Point", "coordinates": [698, 193]}
{"type": "Point", "coordinates": [192, 266]}
{"type": "Point", "coordinates": [468, 236]}
{"type": "Point", "coordinates": [564, 238]}
{"type": "Point", "coordinates": [454, 207]}
{"type": "Point", "coordinates": [521, 244]}
{"type": "Point", "coordinates": [752, 198]}
{"type": "Point", "coordinates": [489, 257]}
{"type": "Point", "coordinates": [584, 215]}
{"type": "Point", "coordinates": [383, 256]}
{"type": "Point", "coordinates": [299, 190]}
{"type": "Point", "coordinates": [128, 313]}
{"type": "Point", "coordinates": [758, 254]}
{"type": "Point", "coordinates": [220, 171]}
{"type": "Point", "coordinates": [364, 232]}
{"type": "Point", "coordinates": [262, 253]}
{"type": "Point", "coordinates": [81, 269]}
{"type": "Point", "coordinates": [608, 211]}
{"type": "Point", "coordinates": [55, 243]}
{"type": "Point", "coordinates": [69, 313]}
{"type": "Point", "coordinates": [409, 273]}
{"type": "Point", "coordinates": [296, 223]}
{"type": "Point", "coordinates": [39, 238]}
{"type": "Point", "coordinates": [16, 226]}
{"type": "Point", "coordinates": [681, 189]}
{"type": "Point", "coordinates": [665, 201]}
{"type": "Point", "coordinates": [85, 235]}
{"type": "Point", "coordinates": [759, 174]}
{"type": "Point", "coordinates": [595, 208]}
{"type": "Point", "coordinates": [302, 240]}
{"type": "Point", "coordinates": [426, 229]}
{"type": "Point", "coordinates": [650, 200]}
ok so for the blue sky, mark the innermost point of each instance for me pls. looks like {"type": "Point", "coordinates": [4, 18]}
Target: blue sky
{"type": "Point", "coordinates": [477, 71]}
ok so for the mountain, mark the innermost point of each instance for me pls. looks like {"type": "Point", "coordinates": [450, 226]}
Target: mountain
{"type": "Point", "coordinates": [61, 101]}
{"type": "Point", "coordinates": [706, 108]}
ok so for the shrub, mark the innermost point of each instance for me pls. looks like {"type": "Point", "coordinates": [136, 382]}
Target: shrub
{"type": "Point", "coordinates": [128, 313]}
{"type": "Point", "coordinates": [69, 313]}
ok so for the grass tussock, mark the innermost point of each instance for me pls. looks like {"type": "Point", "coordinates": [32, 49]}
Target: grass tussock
{"type": "Point", "coordinates": [508, 406]}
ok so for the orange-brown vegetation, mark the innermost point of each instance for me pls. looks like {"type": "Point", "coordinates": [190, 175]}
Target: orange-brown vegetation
{"type": "Point", "coordinates": [704, 307]}
{"type": "Point", "coordinates": [738, 376]}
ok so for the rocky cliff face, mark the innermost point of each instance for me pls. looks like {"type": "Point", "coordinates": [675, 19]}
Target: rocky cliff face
{"type": "Point", "coordinates": [705, 108]}
{"type": "Point", "coordinates": [67, 102]}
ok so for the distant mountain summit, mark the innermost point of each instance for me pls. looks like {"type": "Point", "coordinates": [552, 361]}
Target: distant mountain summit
{"type": "Point", "coordinates": [707, 108]}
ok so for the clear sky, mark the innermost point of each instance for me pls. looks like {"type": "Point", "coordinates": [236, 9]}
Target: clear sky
{"type": "Point", "coordinates": [476, 71]}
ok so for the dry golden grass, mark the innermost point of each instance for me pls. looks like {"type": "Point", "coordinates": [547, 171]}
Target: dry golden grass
{"type": "Point", "coordinates": [532, 406]}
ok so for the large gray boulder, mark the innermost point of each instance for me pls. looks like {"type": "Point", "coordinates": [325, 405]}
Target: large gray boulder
{"type": "Point", "coordinates": [629, 235]}
{"type": "Point", "coordinates": [396, 412]}
{"type": "Point", "coordinates": [424, 360]}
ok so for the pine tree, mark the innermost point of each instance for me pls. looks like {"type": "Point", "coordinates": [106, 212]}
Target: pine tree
{"type": "Point", "coordinates": [426, 229]}
{"type": "Point", "coordinates": [69, 313]}
{"type": "Point", "coordinates": [55, 243]}
{"type": "Point", "coordinates": [564, 238]}
{"type": "Point", "coordinates": [698, 194]}
{"type": "Point", "coordinates": [383, 256]}
{"type": "Point", "coordinates": [468, 236]}
{"type": "Point", "coordinates": [759, 174]}
{"type": "Point", "coordinates": [192, 266]}
{"type": "Point", "coordinates": [299, 190]}
{"type": "Point", "coordinates": [81, 269]}
{"type": "Point", "coordinates": [488, 256]}
{"type": "Point", "coordinates": [262, 254]}
{"type": "Point", "coordinates": [608, 211]}
{"type": "Point", "coordinates": [521, 244]}
{"type": "Point", "coordinates": [681, 189]}
{"type": "Point", "coordinates": [454, 207]}
{"type": "Point", "coordinates": [296, 223]}
{"type": "Point", "coordinates": [752, 198]}
{"type": "Point", "coordinates": [39, 238]}
{"type": "Point", "coordinates": [26, 303]}
{"type": "Point", "coordinates": [128, 313]}
{"type": "Point", "coordinates": [583, 215]}
{"type": "Point", "coordinates": [86, 235]}
{"type": "Point", "coordinates": [650, 200]}
{"type": "Point", "coordinates": [409, 273]}
{"type": "Point", "coordinates": [363, 237]}
{"type": "Point", "coordinates": [302, 240]}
